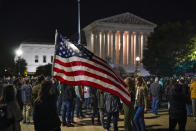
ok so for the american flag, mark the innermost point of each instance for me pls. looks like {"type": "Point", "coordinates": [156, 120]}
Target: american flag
{"type": "Point", "coordinates": [76, 65]}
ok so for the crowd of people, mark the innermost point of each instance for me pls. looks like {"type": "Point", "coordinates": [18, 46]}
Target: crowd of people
{"type": "Point", "coordinates": [49, 104]}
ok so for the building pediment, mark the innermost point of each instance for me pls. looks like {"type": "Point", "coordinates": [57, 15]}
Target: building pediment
{"type": "Point", "coordinates": [125, 19]}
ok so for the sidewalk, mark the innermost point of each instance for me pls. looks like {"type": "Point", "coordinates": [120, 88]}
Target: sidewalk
{"type": "Point", "coordinates": [153, 123]}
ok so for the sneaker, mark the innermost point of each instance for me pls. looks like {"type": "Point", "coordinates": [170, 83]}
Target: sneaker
{"type": "Point", "coordinates": [73, 122]}
{"type": "Point", "coordinates": [70, 125]}
{"type": "Point", "coordinates": [64, 124]}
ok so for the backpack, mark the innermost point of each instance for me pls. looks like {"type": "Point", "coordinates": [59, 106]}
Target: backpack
{"type": "Point", "coordinates": [4, 121]}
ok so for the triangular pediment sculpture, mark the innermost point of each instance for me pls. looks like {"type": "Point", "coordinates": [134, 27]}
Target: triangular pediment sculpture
{"type": "Point", "coordinates": [127, 19]}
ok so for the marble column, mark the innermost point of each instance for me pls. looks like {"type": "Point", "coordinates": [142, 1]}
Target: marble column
{"type": "Point", "coordinates": [110, 48]}
{"type": "Point", "coordinates": [114, 47]}
{"type": "Point", "coordinates": [103, 45]}
{"type": "Point", "coordinates": [145, 39]}
{"type": "Point", "coordinates": [134, 49]}
{"type": "Point", "coordinates": [95, 43]}
{"type": "Point", "coordinates": [142, 46]}
{"type": "Point", "coordinates": [121, 48]}
{"type": "Point", "coordinates": [98, 44]}
{"type": "Point", "coordinates": [137, 45]}
{"type": "Point", "coordinates": [106, 43]}
{"type": "Point", "coordinates": [129, 49]}
{"type": "Point", "coordinates": [92, 42]}
{"type": "Point", "coordinates": [125, 49]}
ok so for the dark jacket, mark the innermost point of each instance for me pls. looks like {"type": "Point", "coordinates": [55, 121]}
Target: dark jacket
{"type": "Point", "coordinates": [155, 89]}
{"type": "Point", "coordinates": [19, 97]}
{"type": "Point", "coordinates": [45, 116]}
{"type": "Point", "coordinates": [26, 92]}
{"type": "Point", "coordinates": [188, 93]}
{"type": "Point", "coordinates": [14, 112]}
{"type": "Point", "coordinates": [100, 99]}
{"type": "Point", "coordinates": [112, 103]}
{"type": "Point", "coordinates": [177, 100]}
{"type": "Point", "coordinates": [93, 96]}
{"type": "Point", "coordinates": [68, 93]}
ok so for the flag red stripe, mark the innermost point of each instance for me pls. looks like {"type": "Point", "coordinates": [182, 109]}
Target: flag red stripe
{"type": "Point", "coordinates": [88, 83]}
{"type": "Point", "coordinates": [105, 65]}
{"type": "Point", "coordinates": [80, 63]}
{"type": "Point", "coordinates": [81, 72]}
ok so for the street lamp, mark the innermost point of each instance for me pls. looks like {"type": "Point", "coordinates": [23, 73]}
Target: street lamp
{"type": "Point", "coordinates": [18, 54]}
{"type": "Point", "coordinates": [137, 64]}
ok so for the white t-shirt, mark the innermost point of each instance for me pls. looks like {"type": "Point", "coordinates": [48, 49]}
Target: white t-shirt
{"type": "Point", "coordinates": [86, 92]}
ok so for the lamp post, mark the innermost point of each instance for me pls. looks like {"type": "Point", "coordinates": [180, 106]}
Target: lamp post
{"type": "Point", "coordinates": [137, 64]}
{"type": "Point", "coordinates": [18, 54]}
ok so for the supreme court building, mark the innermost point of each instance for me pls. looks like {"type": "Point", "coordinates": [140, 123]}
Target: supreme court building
{"type": "Point", "coordinates": [121, 37]}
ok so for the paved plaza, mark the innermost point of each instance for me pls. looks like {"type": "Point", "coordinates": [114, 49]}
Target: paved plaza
{"type": "Point", "coordinates": [153, 123]}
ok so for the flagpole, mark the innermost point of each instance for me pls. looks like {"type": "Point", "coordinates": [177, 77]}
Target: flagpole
{"type": "Point", "coordinates": [79, 37]}
{"type": "Point", "coordinates": [55, 44]}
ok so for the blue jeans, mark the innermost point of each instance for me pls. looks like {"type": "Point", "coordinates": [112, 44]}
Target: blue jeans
{"type": "Point", "coordinates": [72, 110]}
{"type": "Point", "coordinates": [87, 102]}
{"type": "Point", "coordinates": [66, 111]}
{"type": "Point", "coordinates": [188, 109]}
{"type": "Point", "coordinates": [139, 119]}
{"type": "Point", "coordinates": [59, 104]}
{"type": "Point", "coordinates": [78, 107]}
{"type": "Point", "coordinates": [155, 102]}
{"type": "Point", "coordinates": [115, 120]}
{"type": "Point", "coordinates": [101, 115]}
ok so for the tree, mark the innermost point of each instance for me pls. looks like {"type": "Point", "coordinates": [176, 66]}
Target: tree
{"type": "Point", "coordinates": [44, 70]}
{"type": "Point", "coordinates": [20, 66]}
{"type": "Point", "coordinates": [169, 46]}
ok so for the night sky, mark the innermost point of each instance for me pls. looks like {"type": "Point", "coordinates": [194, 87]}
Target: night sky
{"type": "Point", "coordinates": [36, 20]}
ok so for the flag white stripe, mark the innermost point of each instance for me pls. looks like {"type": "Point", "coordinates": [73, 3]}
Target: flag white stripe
{"type": "Point", "coordinates": [91, 79]}
{"type": "Point", "coordinates": [84, 68]}
{"type": "Point", "coordinates": [75, 58]}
